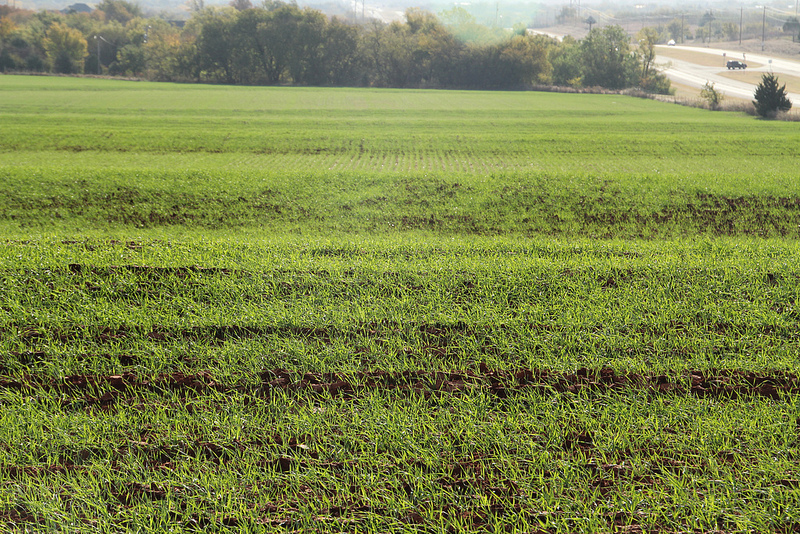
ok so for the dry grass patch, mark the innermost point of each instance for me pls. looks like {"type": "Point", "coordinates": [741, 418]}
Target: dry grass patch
{"type": "Point", "coordinates": [792, 82]}
{"type": "Point", "coordinates": [704, 59]}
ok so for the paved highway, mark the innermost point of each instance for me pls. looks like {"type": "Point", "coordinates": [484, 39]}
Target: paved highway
{"type": "Point", "coordinates": [695, 75]}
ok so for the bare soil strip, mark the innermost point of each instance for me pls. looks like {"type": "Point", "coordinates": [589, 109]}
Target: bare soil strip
{"type": "Point", "coordinates": [437, 335]}
{"type": "Point", "coordinates": [106, 390]}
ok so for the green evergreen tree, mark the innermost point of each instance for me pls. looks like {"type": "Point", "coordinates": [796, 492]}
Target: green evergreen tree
{"type": "Point", "coordinates": [769, 98]}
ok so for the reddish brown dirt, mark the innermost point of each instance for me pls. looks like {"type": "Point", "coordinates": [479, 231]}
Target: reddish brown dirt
{"type": "Point", "coordinates": [18, 471]}
{"type": "Point", "coordinates": [19, 516]}
{"type": "Point", "coordinates": [105, 390]}
{"type": "Point", "coordinates": [435, 335]}
{"type": "Point", "coordinates": [146, 270]}
{"type": "Point", "coordinates": [31, 357]}
{"type": "Point", "coordinates": [131, 492]}
{"type": "Point", "coordinates": [729, 383]}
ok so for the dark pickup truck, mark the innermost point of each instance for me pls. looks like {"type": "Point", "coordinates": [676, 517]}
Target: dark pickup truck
{"type": "Point", "coordinates": [733, 64]}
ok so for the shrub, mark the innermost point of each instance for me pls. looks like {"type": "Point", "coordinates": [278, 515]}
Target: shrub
{"type": "Point", "coordinates": [712, 97]}
{"type": "Point", "coordinates": [769, 98]}
{"type": "Point", "coordinates": [657, 83]}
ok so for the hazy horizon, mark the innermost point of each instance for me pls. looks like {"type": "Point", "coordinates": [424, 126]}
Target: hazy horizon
{"type": "Point", "coordinates": [539, 13]}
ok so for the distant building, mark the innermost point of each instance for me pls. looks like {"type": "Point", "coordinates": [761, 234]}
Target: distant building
{"type": "Point", "coordinates": [77, 8]}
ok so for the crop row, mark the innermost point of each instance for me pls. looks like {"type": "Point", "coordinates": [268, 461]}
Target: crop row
{"type": "Point", "coordinates": [537, 125]}
{"type": "Point", "coordinates": [338, 309]}
{"type": "Point", "coordinates": [527, 203]}
{"type": "Point", "coordinates": [600, 166]}
{"type": "Point", "coordinates": [107, 390]}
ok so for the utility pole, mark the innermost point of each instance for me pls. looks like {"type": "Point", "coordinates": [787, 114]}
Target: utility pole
{"type": "Point", "coordinates": [741, 18]}
{"type": "Point", "coordinates": [98, 54]}
{"type": "Point", "coordinates": [682, 34]}
{"type": "Point", "coordinates": [99, 38]}
{"type": "Point", "coordinates": [146, 31]}
{"type": "Point", "coordinates": [764, 28]}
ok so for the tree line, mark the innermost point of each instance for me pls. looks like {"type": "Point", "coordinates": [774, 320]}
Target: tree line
{"type": "Point", "coordinates": [280, 43]}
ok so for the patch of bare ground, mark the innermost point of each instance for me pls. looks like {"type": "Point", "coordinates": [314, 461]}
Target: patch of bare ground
{"type": "Point", "coordinates": [502, 383]}
{"type": "Point", "coordinates": [104, 391]}
{"type": "Point", "coordinates": [433, 334]}
{"type": "Point", "coordinates": [783, 48]}
{"type": "Point", "coordinates": [19, 516]}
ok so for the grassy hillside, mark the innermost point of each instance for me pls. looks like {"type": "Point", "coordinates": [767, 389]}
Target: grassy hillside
{"type": "Point", "coordinates": [232, 309]}
{"type": "Point", "coordinates": [81, 155]}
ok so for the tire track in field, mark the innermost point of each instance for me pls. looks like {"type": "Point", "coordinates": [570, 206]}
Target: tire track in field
{"type": "Point", "coordinates": [503, 383]}
{"type": "Point", "coordinates": [106, 390]}
{"type": "Point", "coordinates": [434, 336]}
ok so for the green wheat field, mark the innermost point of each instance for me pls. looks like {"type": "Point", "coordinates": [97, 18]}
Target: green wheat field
{"type": "Point", "coordinates": [239, 309]}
